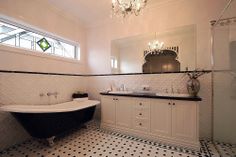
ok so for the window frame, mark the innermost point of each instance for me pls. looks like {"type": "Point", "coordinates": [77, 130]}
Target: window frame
{"type": "Point", "coordinates": [36, 30]}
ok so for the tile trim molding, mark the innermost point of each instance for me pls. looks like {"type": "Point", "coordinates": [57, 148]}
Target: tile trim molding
{"type": "Point", "coordinates": [88, 75]}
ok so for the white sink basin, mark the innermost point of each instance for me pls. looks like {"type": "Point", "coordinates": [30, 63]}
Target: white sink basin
{"type": "Point", "coordinates": [121, 92]}
{"type": "Point", "coordinates": [172, 94]}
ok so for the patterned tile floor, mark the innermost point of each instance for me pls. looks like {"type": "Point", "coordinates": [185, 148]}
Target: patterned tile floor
{"type": "Point", "coordinates": [226, 150]}
{"type": "Point", "coordinates": [94, 142]}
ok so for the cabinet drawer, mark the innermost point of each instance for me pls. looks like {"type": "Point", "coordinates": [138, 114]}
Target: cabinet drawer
{"type": "Point", "coordinates": [140, 103]}
{"type": "Point", "coordinates": [143, 113]}
{"type": "Point", "coordinates": [141, 124]}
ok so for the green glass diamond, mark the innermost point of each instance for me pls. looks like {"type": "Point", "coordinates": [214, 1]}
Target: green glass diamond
{"type": "Point", "coordinates": [44, 44]}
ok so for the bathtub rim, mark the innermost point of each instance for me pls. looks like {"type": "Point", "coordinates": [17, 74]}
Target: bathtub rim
{"type": "Point", "coordinates": [69, 106]}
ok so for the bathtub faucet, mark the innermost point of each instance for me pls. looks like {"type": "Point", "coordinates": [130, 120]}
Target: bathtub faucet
{"type": "Point", "coordinates": [54, 93]}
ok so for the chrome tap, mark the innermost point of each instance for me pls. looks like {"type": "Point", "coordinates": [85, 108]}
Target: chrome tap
{"type": "Point", "coordinates": [172, 89]}
{"type": "Point", "coordinates": [122, 87]}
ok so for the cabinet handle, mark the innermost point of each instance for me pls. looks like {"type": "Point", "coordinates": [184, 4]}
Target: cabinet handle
{"type": "Point", "coordinates": [169, 103]}
{"type": "Point", "coordinates": [140, 104]}
{"type": "Point", "coordinates": [140, 114]}
{"type": "Point", "coordinates": [114, 99]}
{"type": "Point", "coordinates": [174, 104]}
{"type": "Point", "coordinates": [140, 124]}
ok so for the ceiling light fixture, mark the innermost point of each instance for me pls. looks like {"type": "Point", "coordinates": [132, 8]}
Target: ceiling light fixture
{"type": "Point", "coordinates": [126, 7]}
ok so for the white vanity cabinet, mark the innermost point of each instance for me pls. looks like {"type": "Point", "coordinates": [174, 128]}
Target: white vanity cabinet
{"type": "Point", "coordinates": [108, 110]}
{"type": "Point", "coordinates": [165, 120]}
{"type": "Point", "coordinates": [185, 121]}
{"type": "Point", "coordinates": [124, 112]}
{"type": "Point", "coordinates": [175, 121]}
{"type": "Point", "coordinates": [116, 111]}
{"type": "Point", "coordinates": [161, 117]}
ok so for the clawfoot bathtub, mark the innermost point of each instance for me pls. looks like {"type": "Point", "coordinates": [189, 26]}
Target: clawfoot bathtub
{"type": "Point", "coordinates": [49, 121]}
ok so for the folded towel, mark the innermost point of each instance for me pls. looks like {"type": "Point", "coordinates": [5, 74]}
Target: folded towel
{"type": "Point", "coordinates": [79, 95]}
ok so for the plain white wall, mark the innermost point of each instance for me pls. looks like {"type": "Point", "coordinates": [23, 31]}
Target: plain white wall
{"type": "Point", "coordinates": [158, 18]}
{"type": "Point", "coordinates": [44, 16]}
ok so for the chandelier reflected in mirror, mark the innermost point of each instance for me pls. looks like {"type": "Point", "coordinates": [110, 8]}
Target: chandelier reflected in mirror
{"type": "Point", "coordinates": [155, 45]}
{"type": "Point", "coordinates": [126, 7]}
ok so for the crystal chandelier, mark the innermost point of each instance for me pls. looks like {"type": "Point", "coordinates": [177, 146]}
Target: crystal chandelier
{"type": "Point", "coordinates": [125, 7]}
{"type": "Point", "coordinates": [156, 46]}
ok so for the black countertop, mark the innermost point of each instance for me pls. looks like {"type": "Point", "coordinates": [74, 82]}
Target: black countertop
{"type": "Point", "coordinates": [147, 95]}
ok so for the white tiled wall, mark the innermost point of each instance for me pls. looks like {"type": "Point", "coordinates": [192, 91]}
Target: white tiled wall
{"type": "Point", "coordinates": [25, 88]}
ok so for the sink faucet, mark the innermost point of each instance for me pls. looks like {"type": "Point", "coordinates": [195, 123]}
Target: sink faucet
{"type": "Point", "coordinates": [122, 87]}
{"type": "Point", "coordinates": [172, 89]}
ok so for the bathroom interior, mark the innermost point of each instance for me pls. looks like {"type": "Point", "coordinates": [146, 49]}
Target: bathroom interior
{"type": "Point", "coordinates": [117, 78]}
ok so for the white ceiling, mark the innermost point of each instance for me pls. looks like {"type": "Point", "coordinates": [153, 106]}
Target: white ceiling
{"type": "Point", "coordinates": [88, 11]}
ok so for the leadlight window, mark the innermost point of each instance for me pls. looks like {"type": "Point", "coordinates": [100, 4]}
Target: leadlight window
{"type": "Point", "coordinates": [16, 36]}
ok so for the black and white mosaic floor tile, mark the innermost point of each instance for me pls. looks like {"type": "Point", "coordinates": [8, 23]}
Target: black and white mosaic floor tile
{"type": "Point", "coordinates": [94, 142]}
{"type": "Point", "coordinates": [226, 150]}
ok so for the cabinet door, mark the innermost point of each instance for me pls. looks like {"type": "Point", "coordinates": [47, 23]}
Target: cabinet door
{"type": "Point", "coordinates": [185, 120]}
{"type": "Point", "coordinates": [108, 110]}
{"type": "Point", "coordinates": [124, 112]}
{"type": "Point", "coordinates": [161, 117]}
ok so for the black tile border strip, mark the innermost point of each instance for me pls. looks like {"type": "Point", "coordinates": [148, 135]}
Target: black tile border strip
{"type": "Point", "coordinates": [38, 73]}
{"type": "Point", "coordinates": [88, 75]}
{"type": "Point", "coordinates": [179, 72]}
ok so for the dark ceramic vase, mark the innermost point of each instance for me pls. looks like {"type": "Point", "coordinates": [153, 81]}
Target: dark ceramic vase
{"type": "Point", "coordinates": [193, 86]}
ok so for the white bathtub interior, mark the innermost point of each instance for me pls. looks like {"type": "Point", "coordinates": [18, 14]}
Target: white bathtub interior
{"type": "Point", "coordinates": [62, 107]}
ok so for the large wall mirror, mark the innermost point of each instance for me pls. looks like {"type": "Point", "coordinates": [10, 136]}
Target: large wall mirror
{"type": "Point", "coordinates": [169, 51]}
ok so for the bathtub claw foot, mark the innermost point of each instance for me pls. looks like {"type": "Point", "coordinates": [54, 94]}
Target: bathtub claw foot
{"type": "Point", "coordinates": [51, 141]}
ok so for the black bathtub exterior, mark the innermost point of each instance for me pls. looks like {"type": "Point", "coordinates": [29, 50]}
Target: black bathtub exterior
{"type": "Point", "coordinates": [47, 125]}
